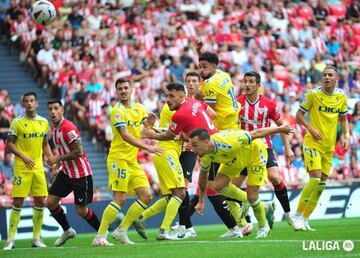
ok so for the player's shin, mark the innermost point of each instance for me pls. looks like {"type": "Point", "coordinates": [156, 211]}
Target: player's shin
{"type": "Point", "coordinates": [134, 212]}
{"type": "Point", "coordinates": [59, 215]}
{"type": "Point", "coordinates": [109, 215]}
{"type": "Point", "coordinates": [156, 208]}
{"type": "Point", "coordinates": [282, 195]}
{"type": "Point", "coordinates": [234, 192]}
{"type": "Point", "coordinates": [184, 212]}
{"type": "Point", "coordinates": [313, 200]}
{"type": "Point", "coordinates": [14, 222]}
{"type": "Point", "coordinates": [306, 193]}
{"type": "Point", "coordinates": [235, 212]}
{"type": "Point", "coordinates": [222, 210]}
{"type": "Point", "coordinates": [38, 216]}
{"type": "Point", "coordinates": [171, 211]}
{"type": "Point", "coordinates": [259, 211]}
{"type": "Point", "coordinates": [92, 219]}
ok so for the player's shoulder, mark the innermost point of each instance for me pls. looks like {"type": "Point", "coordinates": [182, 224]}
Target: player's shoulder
{"type": "Point", "coordinates": [18, 119]}
{"type": "Point", "coordinates": [40, 118]}
{"type": "Point", "coordinates": [316, 90]}
{"type": "Point", "coordinates": [339, 92]}
{"type": "Point", "coordinates": [137, 106]}
{"type": "Point", "coordinates": [241, 99]}
{"type": "Point", "coordinates": [267, 101]}
{"type": "Point", "coordinates": [67, 124]}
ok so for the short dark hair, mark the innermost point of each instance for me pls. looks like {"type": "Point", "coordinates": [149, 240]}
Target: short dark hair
{"type": "Point", "coordinates": [175, 86]}
{"type": "Point", "coordinates": [30, 93]}
{"type": "Point", "coordinates": [193, 73]}
{"type": "Point", "coordinates": [55, 101]}
{"type": "Point", "coordinates": [202, 133]}
{"type": "Point", "coordinates": [330, 67]}
{"type": "Point", "coordinates": [254, 74]}
{"type": "Point", "coordinates": [212, 58]}
{"type": "Point", "coordinates": [122, 80]}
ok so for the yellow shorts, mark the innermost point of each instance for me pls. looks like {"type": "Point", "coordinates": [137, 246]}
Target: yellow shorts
{"type": "Point", "coordinates": [169, 171]}
{"type": "Point", "coordinates": [257, 172]}
{"type": "Point", "coordinates": [125, 176]}
{"type": "Point", "coordinates": [26, 182]}
{"type": "Point", "coordinates": [317, 160]}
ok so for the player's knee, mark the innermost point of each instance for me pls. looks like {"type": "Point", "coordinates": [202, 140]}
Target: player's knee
{"type": "Point", "coordinates": [81, 210]}
{"type": "Point", "coordinates": [18, 203]}
{"type": "Point", "coordinates": [219, 187]}
{"type": "Point", "coordinates": [146, 198]}
{"type": "Point", "coordinates": [180, 193]}
{"type": "Point", "coordinates": [50, 204]}
{"type": "Point", "coordinates": [274, 179]}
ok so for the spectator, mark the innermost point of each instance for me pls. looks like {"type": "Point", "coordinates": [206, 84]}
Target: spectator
{"type": "Point", "coordinates": [7, 166]}
{"type": "Point", "coordinates": [44, 58]}
{"type": "Point", "coordinates": [75, 19]}
{"type": "Point", "coordinates": [4, 124]}
{"type": "Point", "coordinates": [177, 70]}
{"type": "Point", "coordinates": [320, 12]}
{"type": "Point", "coordinates": [94, 86]}
{"type": "Point", "coordinates": [80, 105]}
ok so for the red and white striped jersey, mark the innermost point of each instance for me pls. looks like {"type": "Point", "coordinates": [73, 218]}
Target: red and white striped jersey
{"type": "Point", "coordinates": [63, 136]}
{"type": "Point", "coordinates": [258, 114]}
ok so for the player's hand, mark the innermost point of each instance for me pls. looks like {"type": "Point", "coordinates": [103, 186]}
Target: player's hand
{"type": "Point", "coordinates": [148, 133]}
{"type": "Point", "coordinates": [151, 118]}
{"type": "Point", "coordinates": [316, 135]}
{"type": "Point", "coordinates": [155, 150]}
{"type": "Point", "coordinates": [346, 144]}
{"type": "Point", "coordinates": [199, 208]}
{"type": "Point", "coordinates": [53, 160]}
{"type": "Point", "coordinates": [54, 171]}
{"type": "Point", "coordinates": [286, 128]}
{"type": "Point", "coordinates": [289, 156]}
{"type": "Point", "coordinates": [28, 162]}
{"type": "Point", "coordinates": [197, 43]}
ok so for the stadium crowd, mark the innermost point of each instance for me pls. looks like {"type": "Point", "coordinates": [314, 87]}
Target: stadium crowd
{"type": "Point", "coordinates": [93, 43]}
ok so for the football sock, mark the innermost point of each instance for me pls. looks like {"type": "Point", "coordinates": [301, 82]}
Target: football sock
{"type": "Point", "coordinates": [184, 216]}
{"type": "Point", "coordinates": [156, 208]}
{"type": "Point", "coordinates": [38, 216]}
{"type": "Point", "coordinates": [14, 222]}
{"type": "Point", "coordinates": [259, 211]}
{"type": "Point", "coordinates": [133, 213]}
{"type": "Point", "coordinates": [194, 201]}
{"type": "Point", "coordinates": [59, 215]}
{"type": "Point", "coordinates": [306, 193]}
{"type": "Point", "coordinates": [109, 215]}
{"type": "Point", "coordinates": [222, 210]}
{"type": "Point", "coordinates": [282, 195]}
{"type": "Point", "coordinates": [232, 191]}
{"type": "Point", "coordinates": [314, 198]}
{"type": "Point", "coordinates": [171, 211]}
{"type": "Point", "coordinates": [92, 219]}
{"type": "Point", "coordinates": [235, 209]}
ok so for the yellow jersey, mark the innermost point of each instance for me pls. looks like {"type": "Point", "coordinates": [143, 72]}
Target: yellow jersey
{"type": "Point", "coordinates": [165, 120]}
{"type": "Point", "coordinates": [324, 110]}
{"type": "Point", "coordinates": [30, 134]}
{"type": "Point", "coordinates": [132, 117]}
{"type": "Point", "coordinates": [232, 148]}
{"type": "Point", "coordinates": [219, 90]}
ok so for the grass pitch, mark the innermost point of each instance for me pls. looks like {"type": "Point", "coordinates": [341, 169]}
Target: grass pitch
{"type": "Point", "coordinates": [282, 242]}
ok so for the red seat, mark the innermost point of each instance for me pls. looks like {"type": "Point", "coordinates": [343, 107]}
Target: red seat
{"type": "Point", "coordinates": [297, 21]}
{"type": "Point", "coordinates": [2, 146]}
{"type": "Point", "coordinates": [356, 28]}
{"type": "Point", "coordinates": [305, 12]}
{"type": "Point", "coordinates": [331, 19]}
{"type": "Point", "coordinates": [281, 75]}
{"type": "Point", "coordinates": [338, 10]}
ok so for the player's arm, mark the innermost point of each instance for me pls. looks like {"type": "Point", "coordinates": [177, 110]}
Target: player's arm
{"type": "Point", "coordinates": [126, 136]}
{"type": "Point", "coordinates": [156, 135]}
{"type": "Point", "coordinates": [47, 151]}
{"type": "Point", "coordinates": [197, 44]}
{"type": "Point", "coordinates": [289, 154]}
{"type": "Point", "coordinates": [76, 151]}
{"type": "Point", "coordinates": [150, 120]}
{"type": "Point", "coordinates": [346, 132]}
{"type": "Point", "coordinates": [202, 184]}
{"type": "Point", "coordinates": [263, 132]}
{"type": "Point", "coordinates": [300, 117]}
{"type": "Point", "coordinates": [11, 148]}
{"type": "Point", "coordinates": [211, 112]}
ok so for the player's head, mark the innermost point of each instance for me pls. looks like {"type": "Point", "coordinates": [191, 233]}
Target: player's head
{"type": "Point", "coordinates": [55, 110]}
{"type": "Point", "coordinates": [30, 102]}
{"type": "Point", "coordinates": [251, 82]}
{"type": "Point", "coordinates": [199, 139]}
{"type": "Point", "coordinates": [175, 95]}
{"type": "Point", "coordinates": [123, 89]}
{"type": "Point", "coordinates": [330, 77]}
{"type": "Point", "coordinates": [192, 83]}
{"type": "Point", "coordinates": [207, 63]}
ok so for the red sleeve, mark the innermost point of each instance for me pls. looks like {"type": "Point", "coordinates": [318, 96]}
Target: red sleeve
{"type": "Point", "coordinates": [274, 113]}
{"type": "Point", "coordinates": [205, 106]}
{"type": "Point", "coordinates": [177, 124]}
{"type": "Point", "coordinates": [71, 133]}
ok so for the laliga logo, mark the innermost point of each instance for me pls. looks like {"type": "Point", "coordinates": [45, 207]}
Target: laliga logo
{"type": "Point", "coordinates": [347, 245]}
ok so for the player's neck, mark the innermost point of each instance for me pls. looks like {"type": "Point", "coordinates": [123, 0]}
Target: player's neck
{"type": "Point", "coordinates": [126, 103]}
{"type": "Point", "coordinates": [30, 114]}
{"type": "Point", "coordinates": [328, 90]}
{"type": "Point", "coordinates": [252, 98]}
{"type": "Point", "coordinates": [56, 124]}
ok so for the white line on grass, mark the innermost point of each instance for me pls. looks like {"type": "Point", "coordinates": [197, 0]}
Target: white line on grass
{"type": "Point", "coordinates": [43, 249]}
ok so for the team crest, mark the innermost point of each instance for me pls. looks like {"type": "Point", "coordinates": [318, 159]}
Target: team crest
{"type": "Point", "coordinates": [117, 117]}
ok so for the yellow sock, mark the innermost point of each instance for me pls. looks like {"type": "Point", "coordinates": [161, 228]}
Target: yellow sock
{"type": "Point", "coordinates": [235, 209]}
{"type": "Point", "coordinates": [133, 213]}
{"type": "Point", "coordinates": [156, 208]}
{"type": "Point", "coordinates": [259, 211]}
{"type": "Point", "coordinates": [313, 200]}
{"type": "Point", "coordinates": [234, 192]}
{"type": "Point", "coordinates": [109, 215]}
{"type": "Point", "coordinates": [306, 193]}
{"type": "Point", "coordinates": [14, 222]}
{"type": "Point", "coordinates": [38, 216]}
{"type": "Point", "coordinates": [171, 211]}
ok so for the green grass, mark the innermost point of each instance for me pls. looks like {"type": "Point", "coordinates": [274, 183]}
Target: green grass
{"type": "Point", "coordinates": [282, 242]}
